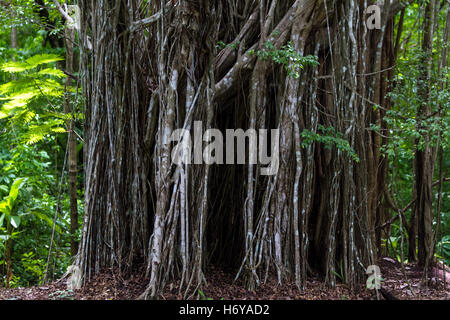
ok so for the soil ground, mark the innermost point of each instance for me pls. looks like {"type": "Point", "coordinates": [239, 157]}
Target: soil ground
{"type": "Point", "coordinates": [108, 285]}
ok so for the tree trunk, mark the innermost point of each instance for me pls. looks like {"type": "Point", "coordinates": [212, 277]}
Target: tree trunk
{"type": "Point", "coordinates": [424, 162]}
{"type": "Point", "coordinates": [148, 76]}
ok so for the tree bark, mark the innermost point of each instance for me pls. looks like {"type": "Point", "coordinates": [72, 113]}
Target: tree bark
{"type": "Point", "coordinates": [424, 162]}
{"type": "Point", "coordinates": [317, 214]}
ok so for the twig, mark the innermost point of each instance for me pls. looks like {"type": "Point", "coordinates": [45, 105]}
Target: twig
{"type": "Point", "coordinates": [74, 77]}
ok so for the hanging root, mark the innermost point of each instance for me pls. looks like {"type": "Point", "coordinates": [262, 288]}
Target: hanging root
{"type": "Point", "coordinates": [315, 215]}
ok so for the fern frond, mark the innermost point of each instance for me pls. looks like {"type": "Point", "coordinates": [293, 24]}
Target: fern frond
{"type": "Point", "coordinates": [14, 86]}
{"type": "Point", "coordinates": [24, 117]}
{"type": "Point", "coordinates": [30, 63]}
{"type": "Point", "coordinates": [37, 132]}
{"type": "Point", "coordinates": [52, 72]}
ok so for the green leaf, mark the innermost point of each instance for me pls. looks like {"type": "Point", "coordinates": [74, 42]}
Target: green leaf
{"type": "Point", "coordinates": [4, 237]}
{"type": "Point", "coordinates": [59, 130]}
{"type": "Point", "coordinates": [45, 218]}
{"type": "Point", "coordinates": [15, 234]}
{"type": "Point", "coordinates": [18, 183]}
{"type": "Point", "coordinates": [4, 207]}
{"type": "Point", "coordinates": [2, 217]}
{"type": "Point", "coordinates": [15, 221]}
{"type": "Point", "coordinates": [202, 294]}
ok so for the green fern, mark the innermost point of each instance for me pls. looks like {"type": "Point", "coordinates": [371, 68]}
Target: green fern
{"type": "Point", "coordinates": [36, 133]}
{"type": "Point", "coordinates": [51, 72]}
{"type": "Point", "coordinates": [28, 101]}
{"type": "Point", "coordinates": [29, 64]}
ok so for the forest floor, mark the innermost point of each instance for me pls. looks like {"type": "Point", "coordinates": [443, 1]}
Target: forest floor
{"type": "Point", "coordinates": [108, 285]}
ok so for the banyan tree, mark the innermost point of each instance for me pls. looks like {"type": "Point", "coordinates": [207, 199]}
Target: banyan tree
{"type": "Point", "coordinates": [317, 70]}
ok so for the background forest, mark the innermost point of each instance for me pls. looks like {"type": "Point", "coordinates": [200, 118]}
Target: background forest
{"type": "Point", "coordinates": [42, 138]}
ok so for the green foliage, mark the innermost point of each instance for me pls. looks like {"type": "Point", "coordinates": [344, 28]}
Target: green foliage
{"type": "Point", "coordinates": [32, 268]}
{"type": "Point", "coordinates": [12, 218]}
{"type": "Point", "coordinates": [203, 296]}
{"type": "Point", "coordinates": [7, 206]}
{"type": "Point", "coordinates": [392, 245]}
{"type": "Point", "coordinates": [287, 56]}
{"type": "Point", "coordinates": [409, 127]}
{"type": "Point", "coordinates": [340, 274]}
{"type": "Point", "coordinates": [32, 63]}
{"type": "Point", "coordinates": [31, 116]}
{"type": "Point", "coordinates": [443, 249]}
{"type": "Point", "coordinates": [25, 95]}
{"type": "Point", "coordinates": [329, 138]}
{"type": "Point", "coordinates": [35, 207]}
{"type": "Point", "coordinates": [222, 45]}
{"type": "Point", "coordinates": [410, 130]}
